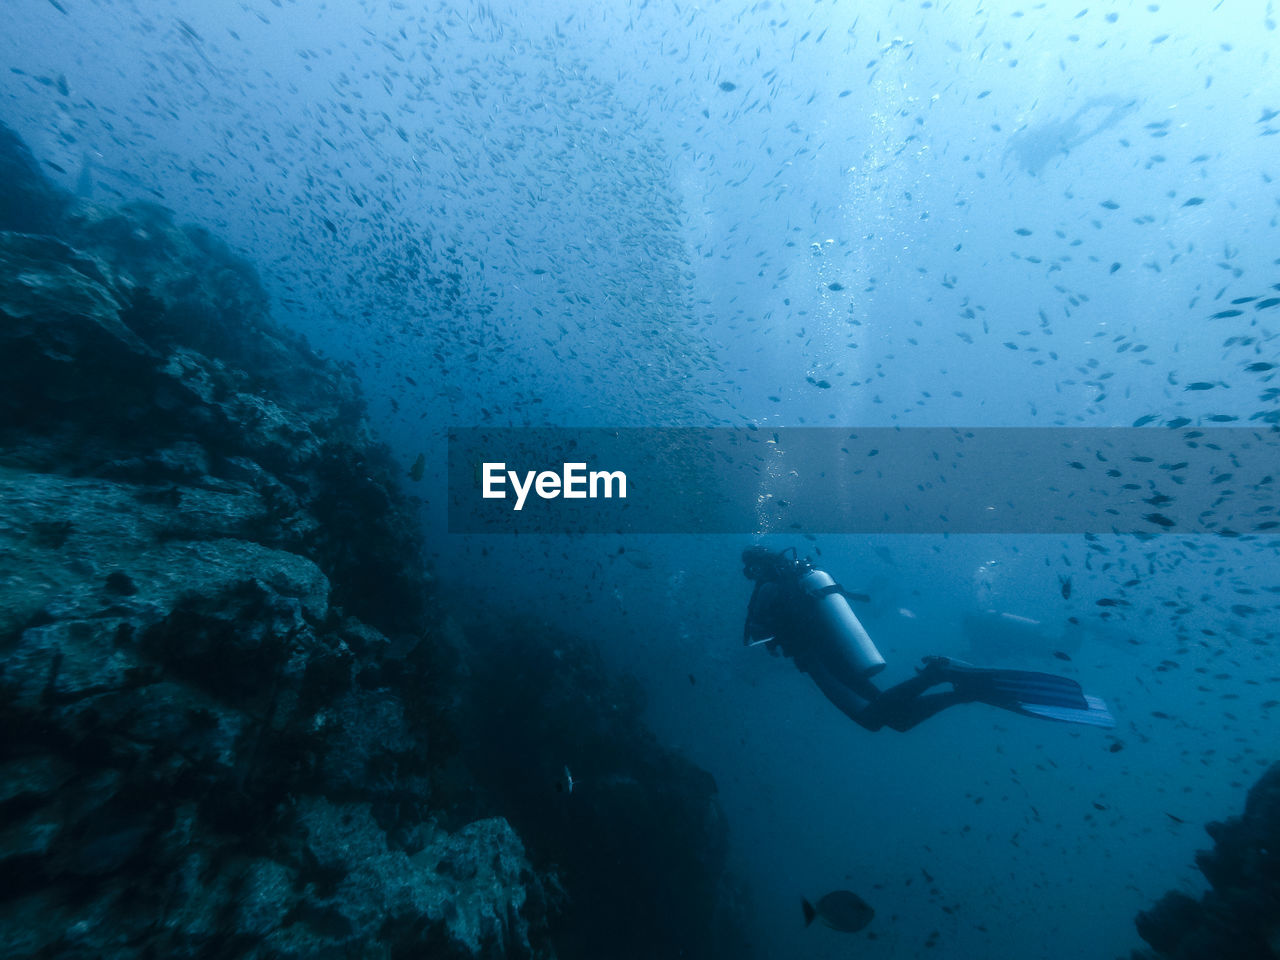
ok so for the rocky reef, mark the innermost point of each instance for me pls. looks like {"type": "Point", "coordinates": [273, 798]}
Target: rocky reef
{"type": "Point", "coordinates": [1239, 918]}
{"type": "Point", "coordinates": [240, 721]}
{"type": "Point", "coordinates": [637, 835]}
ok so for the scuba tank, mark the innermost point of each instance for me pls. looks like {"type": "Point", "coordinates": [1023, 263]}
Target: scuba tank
{"type": "Point", "coordinates": [849, 638]}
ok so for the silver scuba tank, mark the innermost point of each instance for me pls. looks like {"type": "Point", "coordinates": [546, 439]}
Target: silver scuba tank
{"type": "Point", "coordinates": [851, 641]}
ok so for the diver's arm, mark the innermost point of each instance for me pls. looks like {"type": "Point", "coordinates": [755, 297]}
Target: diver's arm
{"type": "Point", "coordinates": [752, 628]}
{"type": "Point", "coordinates": [764, 615]}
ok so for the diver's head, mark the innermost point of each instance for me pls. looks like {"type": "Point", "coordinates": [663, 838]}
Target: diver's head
{"type": "Point", "coordinates": [760, 563]}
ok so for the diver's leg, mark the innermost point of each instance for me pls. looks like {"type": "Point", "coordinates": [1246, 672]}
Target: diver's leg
{"type": "Point", "coordinates": [853, 701]}
{"type": "Point", "coordinates": [907, 714]}
{"type": "Point", "coordinates": [900, 707]}
{"type": "Point", "coordinates": [905, 705]}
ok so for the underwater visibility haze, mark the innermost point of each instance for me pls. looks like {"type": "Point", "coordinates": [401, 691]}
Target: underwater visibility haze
{"type": "Point", "coordinates": [258, 260]}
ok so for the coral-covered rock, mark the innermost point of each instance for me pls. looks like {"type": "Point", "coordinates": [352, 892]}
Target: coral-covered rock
{"type": "Point", "coordinates": [639, 838]}
{"type": "Point", "coordinates": [473, 885]}
{"type": "Point", "coordinates": [212, 747]}
{"type": "Point", "coordinates": [28, 202]}
{"type": "Point", "coordinates": [233, 707]}
{"type": "Point", "coordinates": [1239, 918]}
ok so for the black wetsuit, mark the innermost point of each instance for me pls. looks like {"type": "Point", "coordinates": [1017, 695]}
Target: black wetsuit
{"type": "Point", "coordinates": [781, 610]}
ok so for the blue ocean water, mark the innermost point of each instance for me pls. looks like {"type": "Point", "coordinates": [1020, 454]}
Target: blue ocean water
{"type": "Point", "coordinates": [776, 215]}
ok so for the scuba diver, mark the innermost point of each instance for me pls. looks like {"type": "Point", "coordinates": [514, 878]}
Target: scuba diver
{"type": "Point", "coordinates": [1036, 146]}
{"type": "Point", "coordinates": [805, 614]}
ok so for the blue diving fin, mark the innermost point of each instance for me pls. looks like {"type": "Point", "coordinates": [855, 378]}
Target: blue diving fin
{"type": "Point", "coordinates": [1028, 692]}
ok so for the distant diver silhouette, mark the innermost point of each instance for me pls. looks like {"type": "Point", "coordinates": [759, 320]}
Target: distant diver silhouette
{"type": "Point", "coordinates": [1034, 147]}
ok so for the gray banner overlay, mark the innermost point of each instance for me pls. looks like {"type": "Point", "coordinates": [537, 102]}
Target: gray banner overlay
{"type": "Point", "coordinates": [1149, 480]}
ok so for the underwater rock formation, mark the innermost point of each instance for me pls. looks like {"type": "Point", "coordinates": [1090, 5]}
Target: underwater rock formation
{"type": "Point", "coordinates": [638, 838]}
{"type": "Point", "coordinates": [239, 722]}
{"type": "Point", "coordinates": [1239, 918]}
{"type": "Point", "coordinates": [220, 677]}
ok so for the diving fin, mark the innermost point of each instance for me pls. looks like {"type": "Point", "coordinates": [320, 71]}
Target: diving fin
{"type": "Point", "coordinates": [1095, 712]}
{"type": "Point", "coordinates": [1028, 692]}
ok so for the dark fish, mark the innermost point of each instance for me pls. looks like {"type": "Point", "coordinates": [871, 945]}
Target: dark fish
{"type": "Point", "coordinates": [637, 558]}
{"type": "Point", "coordinates": [1115, 267]}
{"type": "Point", "coordinates": [728, 86]}
{"type": "Point", "coordinates": [835, 285]}
{"type": "Point", "coordinates": [1110, 204]}
{"type": "Point", "coordinates": [1066, 587]}
{"type": "Point", "coordinates": [1023, 232]}
{"type": "Point", "coordinates": [1194, 202]}
{"type": "Point", "coordinates": [418, 468]}
{"type": "Point", "coordinates": [1061, 656]}
{"type": "Point", "coordinates": [840, 910]}
{"type": "Point", "coordinates": [189, 31]}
